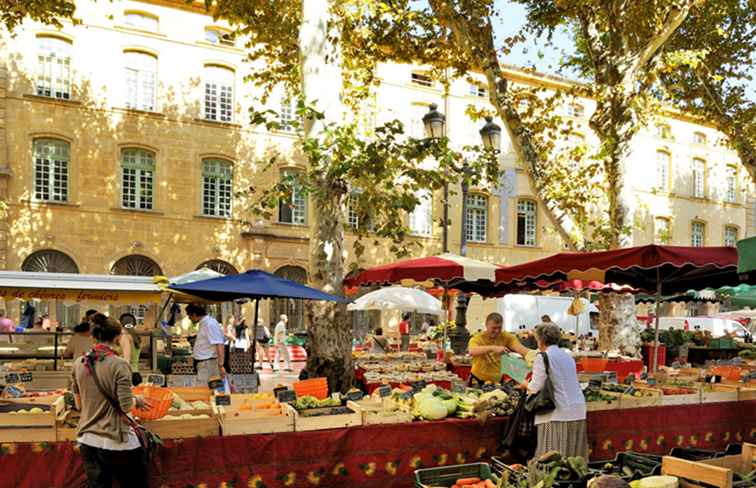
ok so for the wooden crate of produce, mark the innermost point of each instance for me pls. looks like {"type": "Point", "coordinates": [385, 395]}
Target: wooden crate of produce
{"type": "Point", "coordinates": [373, 413]}
{"type": "Point", "coordinates": [305, 420]}
{"type": "Point", "coordinates": [719, 393]}
{"type": "Point", "coordinates": [248, 414]}
{"type": "Point", "coordinates": [745, 391]}
{"type": "Point", "coordinates": [185, 428]}
{"type": "Point", "coordinates": [718, 472]}
{"type": "Point", "coordinates": [677, 395]}
{"type": "Point", "coordinates": [600, 405]}
{"type": "Point", "coordinates": [193, 393]}
{"type": "Point", "coordinates": [64, 430]}
{"type": "Point", "coordinates": [30, 427]}
{"type": "Point", "coordinates": [645, 397]}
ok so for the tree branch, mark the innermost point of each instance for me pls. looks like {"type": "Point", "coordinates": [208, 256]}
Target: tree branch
{"type": "Point", "coordinates": [477, 41]}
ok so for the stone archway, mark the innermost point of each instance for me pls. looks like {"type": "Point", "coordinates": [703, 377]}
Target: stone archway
{"type": "Point", "coordinates": [49, 261]}
{"type": "Point", "coordinates": [293, 308]}
{"type": "Point", "coordinates": [136, 265]}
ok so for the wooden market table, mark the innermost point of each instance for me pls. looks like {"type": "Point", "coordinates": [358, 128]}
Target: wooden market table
{"type": "Point", "coordinates": [378, 455]}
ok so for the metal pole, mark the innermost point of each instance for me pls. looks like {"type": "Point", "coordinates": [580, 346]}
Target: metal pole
{"type": "Point", "coordinates": [446, 216]}
{"type": "Point", "coordinates": [254, 336]}
{"type": "Point", "coordinates": [463, 236]}
{"type": "Point", "coordinates": [656, 331]}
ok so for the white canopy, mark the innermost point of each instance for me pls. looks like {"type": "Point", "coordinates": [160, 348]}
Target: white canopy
{"type": "Point", "coordinates": [398, 298]}
{"type": "Point", "coordinates": [72, 287]}
{"type": "Point", "coordinates": [196, 275]}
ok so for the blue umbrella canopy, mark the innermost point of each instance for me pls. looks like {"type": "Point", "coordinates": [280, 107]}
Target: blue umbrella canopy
{"type": "Point", "coordinates": [253, 284]}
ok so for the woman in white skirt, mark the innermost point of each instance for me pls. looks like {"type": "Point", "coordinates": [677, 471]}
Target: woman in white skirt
{"type": "Point", "coordinates": [564, 428]}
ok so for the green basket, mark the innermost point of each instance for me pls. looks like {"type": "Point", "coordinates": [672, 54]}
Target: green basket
{"type": "Point", "coordinates": [448, 475]}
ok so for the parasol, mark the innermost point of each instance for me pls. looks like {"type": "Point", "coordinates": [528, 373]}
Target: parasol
{"type": "Point", "coordinates": [398, 298]}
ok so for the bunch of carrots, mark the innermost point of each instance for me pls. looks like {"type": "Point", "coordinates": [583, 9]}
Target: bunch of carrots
{"type": "Point", "coordinates": [473, 483]}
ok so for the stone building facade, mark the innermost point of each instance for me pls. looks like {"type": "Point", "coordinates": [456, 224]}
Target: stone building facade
{"type": "Point", "coordinates": [124, 141]}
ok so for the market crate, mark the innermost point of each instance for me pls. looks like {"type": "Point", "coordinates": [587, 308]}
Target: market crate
{"type": "Point", "coordinates": [448, 475]}
{"type": "Point", "coordinates": [193, 393]}
{"type": "Point", "coordinates": [317, 419]}
{"type": "Point", "coordinates": [649, 398]}
{"type": "Point", "coordinates": [719, 393]}
{"type": "Point", "coordinates": [719, 472]}
{"type": "Point", "coordinates": [744, 390]}
{"type": "Point", "coordinates": [235, 419]}
{"type": "Point", "coordinates": [670, 396]}
{"type": "Point", "coordinates": [63, 431]}
{"type": "Point", "coordinates": [374, 413]}
{"type": "Point", "coordinates": [30, 427]}
{"type": "Point", "coordinates": [605, 404]}
{"type": "Point", "coordinates": [187, 428]}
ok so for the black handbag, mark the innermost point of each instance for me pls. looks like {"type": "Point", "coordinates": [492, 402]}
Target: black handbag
{"type": "Point", "coordinates": [543, 401]}
{"type": "Point", "coordinates": [148, 440]}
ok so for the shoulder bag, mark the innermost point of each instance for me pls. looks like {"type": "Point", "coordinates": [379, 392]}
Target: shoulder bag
{"type": "Point", "coordinates": [148, 440]}
{"type": "Point", "coordinates": [543, 401]}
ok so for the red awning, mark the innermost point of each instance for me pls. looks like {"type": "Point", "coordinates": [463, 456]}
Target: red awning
{"type": "Point", "coordinates": [677, 268]}
{"type": "Point", "coordinates": [446, 270]}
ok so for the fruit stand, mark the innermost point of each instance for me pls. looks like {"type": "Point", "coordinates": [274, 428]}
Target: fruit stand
{"type": "Point", "coordinates": [379, 455]}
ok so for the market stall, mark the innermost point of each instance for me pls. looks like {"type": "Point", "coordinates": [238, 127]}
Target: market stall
{"type": "Point", "coordinates": [382, 456]}
{"type": "Point", "coordinates": [40, 350]}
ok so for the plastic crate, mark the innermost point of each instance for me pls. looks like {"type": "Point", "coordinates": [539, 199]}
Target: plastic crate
{"type": "Point", "coordinates": [448, 475]}
{"type": "Point", "coordinates": [651, 466]}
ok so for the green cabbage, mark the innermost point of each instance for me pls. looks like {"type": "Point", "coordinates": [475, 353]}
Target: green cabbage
{"type": "Point", "coordinates": [432, 409]}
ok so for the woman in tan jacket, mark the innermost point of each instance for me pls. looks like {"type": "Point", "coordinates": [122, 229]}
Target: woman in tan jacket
{"type": "Point", "coordinates": [108, 443]}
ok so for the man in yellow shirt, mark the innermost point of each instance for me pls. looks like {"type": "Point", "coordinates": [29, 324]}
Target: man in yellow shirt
{"type": "Point", "coordinates": [486, 348]}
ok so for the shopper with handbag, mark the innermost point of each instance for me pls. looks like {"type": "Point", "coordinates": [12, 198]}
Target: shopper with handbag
{"type": "Point", "coordinates": [556, 398]}
{"type": "Point", "coordinates": [113, 445]}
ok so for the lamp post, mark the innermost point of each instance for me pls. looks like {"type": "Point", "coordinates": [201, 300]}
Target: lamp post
{"type": "Point", "coordinates": [491, 137]}
{"type": "Point", "coordinates": [435, 127]}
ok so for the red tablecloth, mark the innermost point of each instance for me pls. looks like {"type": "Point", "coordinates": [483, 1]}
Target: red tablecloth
{"type": "Point", "coordinates": [377, 455]}
{"type": "Point", "coordinates": [380, 456]}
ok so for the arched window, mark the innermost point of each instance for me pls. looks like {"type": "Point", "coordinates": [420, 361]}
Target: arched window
{"type": "Point", "coordinates": [697, 234]}
{"type": "Point", "coordinates": [699, 178]}
{"type": "Point", "coordinates": [218, 36]}
{"type": "Point", "coordinates": [526, 223]}
{"type": "Point", "coordinates": [137, 178]}
{"type": "Point", "coordinates": [219, 266]}
{"type": "Point", "coordinates": [136, 265]}
{"type": "Point", "coordinates": [51, 168]}
{"type": "Point", "coordinates": [663, 162]}
{"type": "Point", "coordinates": [662, 230]}
{"type": "Point", "coordinates": [293, 210]}
{"type": "Point", "coordinates": [49, 261]}
{"type": "Point", "coordinates": [141, 80]}
{"type": "Point", "coordinates": [730, 235]}
{"type": "Point", "coordinates": [217, 187]}
{"type": "Point", "coordinates": [141, 20]}
{"type": "Point", "coordinates": [219, 93]}
{"type": "Point", "coordinates": [731, 193]}
{"type": "Point", "coordinates": [477, 90]}
{"type": "Point", "coordinates": [664, 131]}
{"type": "Point", "coordinates": [421, 218]}
{"type": "Point", "coordinates": [293, 308]}
{"type": "Point", "coordinates": [53, 67]}
{"type": "Point", "coordinates": [575, 110]}
{"type": "Point", "coordinates": [476, 222]}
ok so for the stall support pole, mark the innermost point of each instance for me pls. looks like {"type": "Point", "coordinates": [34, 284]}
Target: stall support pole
{"type": "Point", "coordinates": [55, 352]}
{"type": "Point", "coordinates": [656, 319]}
{"type": "Point", "coordinates": [254, 336]}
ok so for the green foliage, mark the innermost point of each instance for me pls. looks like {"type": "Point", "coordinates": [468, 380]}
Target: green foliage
{"type": "Point", "coordinates": [379, 177]}
{"type": "Point", "coordinates": [13, 12]}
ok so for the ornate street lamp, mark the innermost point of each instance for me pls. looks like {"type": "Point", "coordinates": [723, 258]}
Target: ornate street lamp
{"type": "Point", "coordinates": [491, 135]}
{"type": "Point", "coordinates": [435, 128]}
{"type": "Point", "coordinates": [434, 122]}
